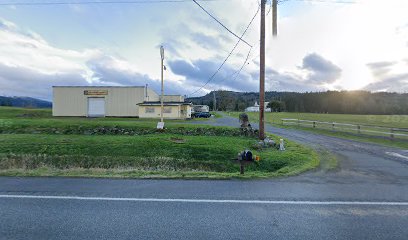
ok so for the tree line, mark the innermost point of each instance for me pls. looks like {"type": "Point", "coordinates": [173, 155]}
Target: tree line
{"type": "Point", "coordinates": [350, 102]}
{"type": "Point", "coordinates": [24, 102]}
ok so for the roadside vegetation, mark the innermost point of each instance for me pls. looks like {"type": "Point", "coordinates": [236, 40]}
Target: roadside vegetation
{"type": "Point", "coordinates": [392, 121]}
{"type": "Point", "coordinates": [32, 143]}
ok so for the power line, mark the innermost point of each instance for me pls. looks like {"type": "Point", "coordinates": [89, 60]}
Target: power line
{"type": "Point", "coordinates": [320, 1]}
{"type": "Point", "coordinates": [270, 8]}
{"type": "Point", "coordinates": [237, 72]}
{"type": "Point", "coordinates": [243, 65]}
{"type": "Point", "coordinates": [99, 2]}
{"type": "Point", "coordinates": [218, 21]}
{"type": "Point", "coordinates": [229, 55]}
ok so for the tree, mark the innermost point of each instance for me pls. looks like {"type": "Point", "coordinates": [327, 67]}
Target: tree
{"type": "Point", "coordinates": [277, 106]}
{"type": "Point", "coordinates": [350, 102]}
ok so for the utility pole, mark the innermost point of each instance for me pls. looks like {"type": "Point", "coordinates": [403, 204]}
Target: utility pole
{"type": "Point", "coordinates": [162, 84]}
{"type": "Point", "coordinates": [215, 102]}
{"type": "Point", "coordinates": [262, 75]}
{"type": "Point", "coordinates": [274, 18]}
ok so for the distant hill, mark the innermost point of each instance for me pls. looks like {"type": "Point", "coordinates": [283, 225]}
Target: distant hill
{"type": "Point", "coordinates": [24, 102]}
{"type": "Point", "coordinates": [351, 102]}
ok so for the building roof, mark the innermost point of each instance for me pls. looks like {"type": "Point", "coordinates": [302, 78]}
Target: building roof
{"type": "Point", "coordinates": [158, 103]}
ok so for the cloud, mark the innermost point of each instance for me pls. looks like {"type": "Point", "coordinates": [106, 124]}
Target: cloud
{"type": "Point", "coordinates": [383, 64]}
{"type": "Point", "coordinates": [344, 51]}
{"type": "Point", "coordinates": [198, 72]}
{"type": "Point", "coordinates": [206, 41]}
{"type": "Point", "coordinates": [29, 66]}
{"type": "Point", "coordinates": [321, 71]}
{"type": "Point", "coordinates": [21, 81]}
{"type": "Point", "coordinates": [108, 70]}
{"type": "Point", "coordinates": [314, 73]}
{"type": "Point", "coordinates": [381, 69]}
{"type": "Point", "coordinates": [389, 76]}
{"type": "Point", "coordinates": [391, 83]}
{"type": "Point", "coordinates": [48, 66]}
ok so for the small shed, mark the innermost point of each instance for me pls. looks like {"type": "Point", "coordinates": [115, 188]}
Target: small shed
{"type": "Point", "coordinates": [171, 110]}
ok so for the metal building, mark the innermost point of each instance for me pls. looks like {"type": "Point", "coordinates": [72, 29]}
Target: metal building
{"type": "Point", "coordinates": [100, 101]}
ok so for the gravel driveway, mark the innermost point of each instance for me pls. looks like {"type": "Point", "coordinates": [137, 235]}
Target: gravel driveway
{"type": "Point", "coordinates": [358, 161]}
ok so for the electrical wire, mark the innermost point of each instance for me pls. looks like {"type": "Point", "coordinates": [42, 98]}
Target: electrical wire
{"type": "Point", "coordinates": [219, 22]}
{"type": "Point", "coordinates": [320, 1]}
{"type": "Point", "coordinates": [99, 2]}
{"type": "Point", "coordinates": [229, 55]}
{"type": "Point", "coordinates": [243, 65]}
{"type": "Point", "coordinates": [237, 72]}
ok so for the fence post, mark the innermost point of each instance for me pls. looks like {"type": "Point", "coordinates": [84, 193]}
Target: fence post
{"type": "Point", "coordinates": [333, 126]}
{"type": "Point", "coordinates": [314, 124]}
{"type": "Point", "coordinates": [392, 133]}
{"type": "Point", "coordinates": [359, 129]}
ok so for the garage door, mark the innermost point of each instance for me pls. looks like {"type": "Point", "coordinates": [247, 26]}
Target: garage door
{"type": "Point", "coordinates": [96, 107]}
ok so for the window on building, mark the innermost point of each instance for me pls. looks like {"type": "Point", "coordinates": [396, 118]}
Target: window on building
{"type": "Point", "coordinates": [167, 110]}
{"type": "Point", "coordinates": [149, 110]}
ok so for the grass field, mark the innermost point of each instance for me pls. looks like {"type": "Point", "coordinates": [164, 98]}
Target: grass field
{"type": "Point", "coordinates": [32, 143]}
{"type": "Point", "coordinates": [396, 121]}
{"type": "Point", "coordinates": [392, 121]}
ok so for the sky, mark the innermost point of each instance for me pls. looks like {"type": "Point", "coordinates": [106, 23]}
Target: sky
{"type": "Point", "coordinates": [321, 45]}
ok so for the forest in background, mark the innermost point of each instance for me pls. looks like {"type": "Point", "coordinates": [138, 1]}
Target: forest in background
{"type": "Point", "coordinates": [347, 102]}
{"type": "Point", "coordinates": [24, 102]}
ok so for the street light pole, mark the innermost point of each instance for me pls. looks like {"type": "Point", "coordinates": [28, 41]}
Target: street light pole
{"type": "Point", "coordinates": [162, 83]}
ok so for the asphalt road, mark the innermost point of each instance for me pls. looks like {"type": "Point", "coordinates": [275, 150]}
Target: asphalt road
{"type": "Point", "coordinates": [365, 198]}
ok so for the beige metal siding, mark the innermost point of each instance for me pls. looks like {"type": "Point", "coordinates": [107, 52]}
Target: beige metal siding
{"type": "Point", "coordinates": [70, 102]}
{"type": "Point", "coordinates": [175, 112]}
{"type": "Point", "coordinates": [152, 96]}
{"type": "Point", "coordinates": [173, 98]}
{"type": "Point", "coordinates": [120, 101]}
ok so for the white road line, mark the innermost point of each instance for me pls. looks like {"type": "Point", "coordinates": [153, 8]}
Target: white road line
{"type": "Point", "coordinates": [394, 154]}
{"type": "Point", "coordinates": [205, 200]}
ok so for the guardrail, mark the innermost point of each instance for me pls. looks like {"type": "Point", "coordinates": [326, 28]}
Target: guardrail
{"type": "Point", "coordinates": [382, 131]}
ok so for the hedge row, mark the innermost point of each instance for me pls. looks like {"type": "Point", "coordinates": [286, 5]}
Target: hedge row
{"type": "Point", "coordinates": [132, 131]}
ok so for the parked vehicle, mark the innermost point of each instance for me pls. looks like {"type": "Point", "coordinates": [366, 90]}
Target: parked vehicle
{"type": "Point", "coordinates": [201, 108]}
{"type": "Point", "coordinates": [202, 115]}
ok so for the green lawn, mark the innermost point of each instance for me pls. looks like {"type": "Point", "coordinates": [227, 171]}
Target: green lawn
{"type": "Point", "coordinates": [392, 121]}
{"type": "Point", "coordinates": [32, 143]}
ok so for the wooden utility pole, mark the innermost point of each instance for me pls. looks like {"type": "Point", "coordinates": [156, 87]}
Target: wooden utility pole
{"type": "Point", "coordinates": [274, 18]}
{"type": "Point", "coordinates": [262, 75]}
